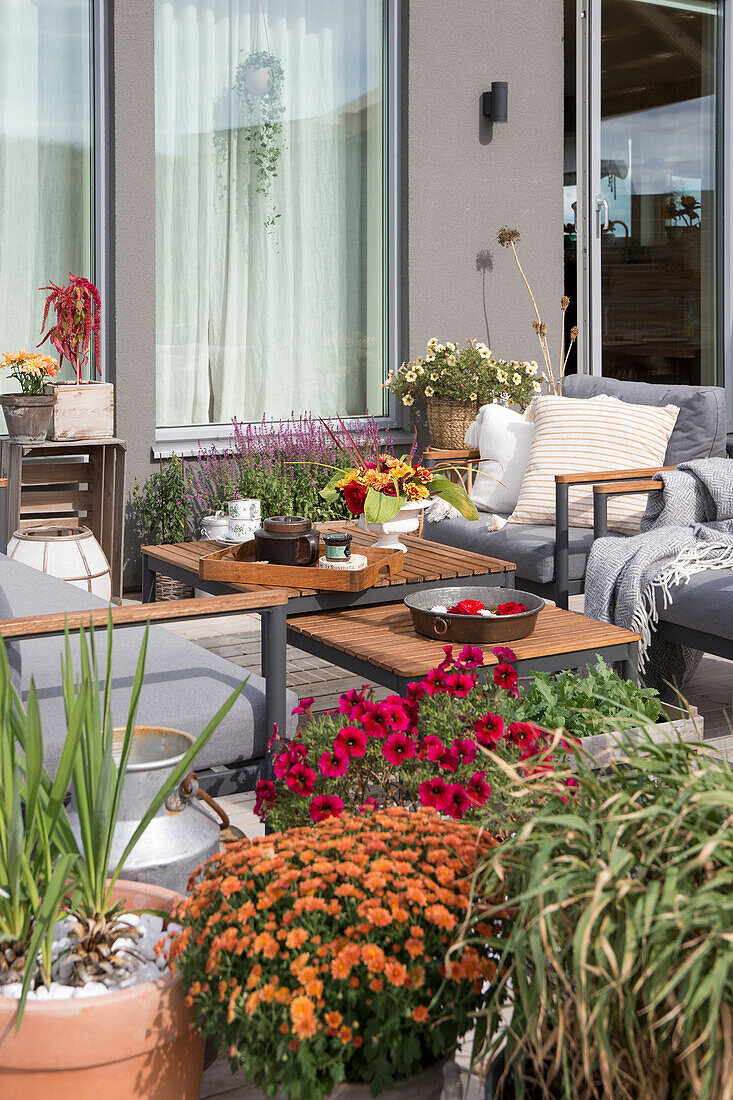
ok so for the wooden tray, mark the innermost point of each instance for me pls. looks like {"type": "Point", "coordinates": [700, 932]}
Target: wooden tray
{"type": "Point", "coordinates": [237, 565]}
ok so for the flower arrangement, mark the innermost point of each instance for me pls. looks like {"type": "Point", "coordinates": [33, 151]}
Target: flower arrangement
{"type": "Point", "coordinates": [378, 488]}
{"type": "Point", "coordinates": [465, 374]}
{"type": "Point", "coordinates": [451, 743]}
{"type": "Point", "coordinates": [29, 369]}
{"type": "Point", "coordinates": [318, 955]}
{"type": "Point", "coordinates": [284, 464]}
{"type": "Point", "coordinates": [77, 308]}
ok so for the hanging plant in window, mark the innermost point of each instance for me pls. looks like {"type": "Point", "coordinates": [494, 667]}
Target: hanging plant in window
{"type": "Point", "coordinates": [258, 85]}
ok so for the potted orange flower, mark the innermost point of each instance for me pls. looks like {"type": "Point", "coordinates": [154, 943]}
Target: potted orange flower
{"type": "Point", "coordinates": [318, 958]}
{"type": "Point", "coordinates": [28, 413]}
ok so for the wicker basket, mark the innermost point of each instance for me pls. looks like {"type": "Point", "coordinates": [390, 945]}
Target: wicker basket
{"type": "Point", "coordinates": [168, 589]}
{"type": "Point", "coordinates": [449, 421]}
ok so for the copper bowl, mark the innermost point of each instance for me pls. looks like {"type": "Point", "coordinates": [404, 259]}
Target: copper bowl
{"type": "Point", "coordinates": [473, 628]}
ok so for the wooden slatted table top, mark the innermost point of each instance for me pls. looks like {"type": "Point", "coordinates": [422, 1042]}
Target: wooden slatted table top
{"type": "Point", "coordinates": [384, 636]}
{"type": "Point", "coordinates": [424, 561]}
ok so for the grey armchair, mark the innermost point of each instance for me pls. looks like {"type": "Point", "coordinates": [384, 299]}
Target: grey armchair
{"type": "Point", "coordinates": [551, 560]}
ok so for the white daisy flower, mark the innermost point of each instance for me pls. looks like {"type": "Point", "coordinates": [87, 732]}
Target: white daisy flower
{"type": "Point", "coordinates": [451, 360]}
{"type": "Point", "coordinates": [429, 391]}
{"type": "Point", "coordinates": [439, 348]}
{"type": "Point", "coordinates": [536, 387]}
{"type": "Point", "coordinates": [430, 358]}
{"type": "Point", "coordinates": [473, 397]}
{"type": "Point", "coordinates": [418, 361]}
{"type": "Point", "coordinates": [517, 379]}
{"type": "Point", "coordinates": [432, 342]}
{"type": "Point", "coordinates": [451, 346]}
{"type": "Point", "coordinates": [434, 376]}
{"type": "Point", "coordinates": [530, 368]}
{"type": "Point", "coordinates": [502, 376]}
{"type": "Point", "coordinates": [408, 399]}
{"type": "Point", "coordinates": [411, 376]}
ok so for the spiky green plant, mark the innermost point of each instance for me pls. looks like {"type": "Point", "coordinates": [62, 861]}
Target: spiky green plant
{"type": "Point", "coordinates": [33, 876]}
{"type": "Point", "coordinates": [616, 947]}
{"type": "Point", "coordinates": [97, 778]}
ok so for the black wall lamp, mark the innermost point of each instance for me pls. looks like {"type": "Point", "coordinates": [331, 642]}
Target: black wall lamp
{"type": "Point", "coordinates": [494, 103]}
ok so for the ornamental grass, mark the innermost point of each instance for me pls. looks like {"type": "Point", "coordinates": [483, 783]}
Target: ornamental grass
{"type": "Point", "coordinates": [318, 955]}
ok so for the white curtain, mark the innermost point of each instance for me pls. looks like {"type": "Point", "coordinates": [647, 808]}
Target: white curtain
{"type": "Point", "coordinates": [45, 159]}
{"type": "Point", "coordinates": [254, 322]}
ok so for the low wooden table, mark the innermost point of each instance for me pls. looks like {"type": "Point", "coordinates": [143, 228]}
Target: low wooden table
{"type": "Point", "coordinates": [380, 644]}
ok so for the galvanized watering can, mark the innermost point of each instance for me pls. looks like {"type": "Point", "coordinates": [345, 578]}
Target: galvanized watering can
{"type": "Point", "coordinates": [183, 834]}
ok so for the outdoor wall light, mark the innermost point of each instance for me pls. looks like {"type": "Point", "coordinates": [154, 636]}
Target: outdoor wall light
{"type": "Point", "coordinates": [494, 103]}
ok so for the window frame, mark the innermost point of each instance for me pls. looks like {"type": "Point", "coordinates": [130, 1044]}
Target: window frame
{"type": "Point", "coordinates": [184, 439]}
{"type": "Point", "coordinates": [102, 176]}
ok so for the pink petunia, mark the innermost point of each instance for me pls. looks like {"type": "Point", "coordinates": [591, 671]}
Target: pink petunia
{"type": "Point", "coordinates": [489, 730]}
{"type": "Point", "coordinates": [397, 748]}
{"type": "Point", "coordinates": [460, 684]}
{"type": "Point", "coordinates": [465, 750]}
{"type": "Point", "coordinates": [325, 805]}
{"type": "Point", "coordinates": [301, 780]}
{"type": "Point", "coordinates": [432, 791]}
{"type": "Point", "coordinates": [448, 659]}
{"type": "Point", "coordinates": [470, 657]}
{"type": "Point", "coordinates": [392, 712]}
{"type": "Point", "coordinates": [449, 760]}
{"type": "Point", "coordinates": [293, 754]}
{"type": "Point", "coordinates": [478, 790]}
{"type": "Point", "coordinates": [333, 764]}
{"type": "Point", "coordinates": [304, 706]}
{"type": "Point", "coordinates": [266, 795]}
{"type": "Point", "coordinates": [524, 735]}
{"type": "Point", "coordinates": [434, 682]}
{"type": "Point", "coordinates": [435, 748]}
{"type": "Point", "coordinates": [505, 676]}
{"type": "Point", "coordinates": [455, 802]}
{"type": "Point", "coordinates": [350, 741]}
{"type": "Point", "coordinates": [504, 653]}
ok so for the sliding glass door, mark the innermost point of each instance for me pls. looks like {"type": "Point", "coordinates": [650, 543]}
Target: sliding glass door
{"type": "Point", "coordinates": [46, 158]}
{"type": "Point", "coordinates": [648, 193]}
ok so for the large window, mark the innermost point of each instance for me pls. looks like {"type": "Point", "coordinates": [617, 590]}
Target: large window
{"type": "Point", "coordinates": [270, 162]}
{"type": "Point", "coordinates": [46, 165]}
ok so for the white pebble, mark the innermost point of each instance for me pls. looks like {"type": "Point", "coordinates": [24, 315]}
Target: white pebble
{"type": "Point", "coordinates": [59, 992]}
{"type": "Point", "coordinates": [487, 614]}
{"type": "Point", "coordinates": [439, 610]}
{"type": "Point", "coordinates": [91, 989]}
{"type": "Point", "coordinates": [12, 989]}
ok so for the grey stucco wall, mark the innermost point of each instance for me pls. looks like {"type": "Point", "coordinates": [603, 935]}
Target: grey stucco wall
{"type": "Point", "coordinates": [466, 178]}
{"type": "Point", "coordinates": [132, 240]}
{"type": "Point", "coordinates": [463, 179]}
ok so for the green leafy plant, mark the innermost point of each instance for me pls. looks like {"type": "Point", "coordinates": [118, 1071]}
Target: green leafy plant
{"type": "Point", "coordinates": [162, 503]}
{"type": "Point", "coordinates": [590, 704]}
{"type": "Point", "coordinates": [33, 871]}
{"type": "Point", "coordinates": [98, 777]}
{"type": "Point", "coordinates": [616, 966]}
{"type": "Point", "coordinates": [261, 119]}
{"type": "Point", "coordinates": [317, 956]}
{"type": "Point", "coordinates": [465, 374]}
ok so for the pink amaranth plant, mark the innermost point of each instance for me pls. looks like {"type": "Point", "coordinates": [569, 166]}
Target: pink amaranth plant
{"type": "Point", "coordinates": [451, 743]}
{"type": "Point", "coordinates": [77, 307]}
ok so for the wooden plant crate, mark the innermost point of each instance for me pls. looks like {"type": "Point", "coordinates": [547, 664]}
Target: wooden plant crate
{"type": "Point", "coordinates": [61, 482]}
{"type": "Point", "coordinates": [83, 411]}
{"type": "Point", "coordinates": [690, 726]}
{"type": "Point", "coordinates": [237, 565]}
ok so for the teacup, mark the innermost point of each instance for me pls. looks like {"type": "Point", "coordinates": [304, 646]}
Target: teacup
{"type": "Point", "coordinates": [242, 528]}
{"type": "Point", "coordinates": [245, 510]}
{"type": "Point", "coordinates": [213, 527]}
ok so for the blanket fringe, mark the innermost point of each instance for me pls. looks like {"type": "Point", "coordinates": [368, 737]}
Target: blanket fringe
{"type": "Point", "coordinates": [690, 561]}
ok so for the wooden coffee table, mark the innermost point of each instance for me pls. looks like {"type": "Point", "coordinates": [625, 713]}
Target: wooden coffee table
{"type": "Point", "coordinates": [426, 565]}
{"type": "Point", "coordinates": [380, 644]}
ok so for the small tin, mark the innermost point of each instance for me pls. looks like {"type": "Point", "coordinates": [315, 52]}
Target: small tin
{"type": "Point", "coordinates": [338, 546]}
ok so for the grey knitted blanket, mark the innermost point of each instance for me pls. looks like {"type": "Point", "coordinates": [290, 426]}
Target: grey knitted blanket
{"type": "Point", "coordinates": [687, 529]}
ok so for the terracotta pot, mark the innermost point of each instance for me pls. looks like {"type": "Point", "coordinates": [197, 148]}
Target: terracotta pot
{"type": "Point", "coordinates": [133, 1045]}
{"type": "Point", "coordinates": [27, 415]}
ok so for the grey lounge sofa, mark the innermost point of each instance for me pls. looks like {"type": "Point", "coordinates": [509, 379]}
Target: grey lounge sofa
{"type": "Point", "coordinates": [551, 560]}
{"type": "Point", "coordinates": [701, 614]}
{"type": "Point", "coordinates": [184, 684]}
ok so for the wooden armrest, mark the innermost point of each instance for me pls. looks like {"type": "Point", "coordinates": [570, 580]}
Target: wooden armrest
{"type": "Point", "coordinates": [611, 488]}
{"type": "Point", "coordinates": [3, 483]}
{"type": "Point", "coordinates": [609, 475]}
{"type": "Point", "coordinates": [433, 454]}
{"type": "Point", "coordinates": [142, 613]}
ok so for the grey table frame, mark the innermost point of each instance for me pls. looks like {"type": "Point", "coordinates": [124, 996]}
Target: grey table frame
{"type": "Point", "coordinates": [623, 654]}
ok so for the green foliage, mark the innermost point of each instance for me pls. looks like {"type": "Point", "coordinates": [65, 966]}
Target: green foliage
{"type": "Point", "coordinates": [617, 963]}
{"type": "Point", "coordinates": [465, 374]}
{"type": "Point", "coordinates": [162, 504]}
{"type": "Point", "coordinates": [260, 116]}
{"type": "Point", "coordinates": [584, 705]}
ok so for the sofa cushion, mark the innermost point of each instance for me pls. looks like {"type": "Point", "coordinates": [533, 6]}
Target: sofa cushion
{"type": "Point", "coordinates": [700, 431]}
{"type": "Point", "coordinates": [184, 684]}
{"type": "Point", "coordinates": [531, 548]}
{"type": "Point", "coordinates": [705, 603]}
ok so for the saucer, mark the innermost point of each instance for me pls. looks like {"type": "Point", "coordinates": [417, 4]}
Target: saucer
{"type": "Point", "coordinates": [233, 540]}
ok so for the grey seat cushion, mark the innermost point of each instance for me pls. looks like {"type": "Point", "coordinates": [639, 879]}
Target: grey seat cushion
{"type": "Point", "coordinates": [184, 684]}
{"type": "Point", "coordinates": [531, 547]}
{"type": "Point", "coordinates": [705, 604]}
{"type": "Point", "coordinates": [700, 431]}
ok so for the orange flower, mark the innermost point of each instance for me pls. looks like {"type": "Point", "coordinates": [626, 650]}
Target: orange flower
{"type": "Point", "coordinates": [420, 1014]}
{"type": "Point", "coordinates": [340, 968]}
{"type": "Point", "coordinates": [414, 948]}
{"type": "Point", "coordinates": [333, 1019]}
{"type": "Point", "coordinates": [395, 972]}
{"type": "Point", "coordinates": [229, 886]}
{"type": "Point", "coordinates": [345, 1034]}
{"type": "Point", "coordinates": [296, 938]}
{"type": "Point", "coordinates": [303, 1015]}
{"type": "Point", "coordinates": [376, 985]}
{"type": "Point", "coordinates": [373, 956]}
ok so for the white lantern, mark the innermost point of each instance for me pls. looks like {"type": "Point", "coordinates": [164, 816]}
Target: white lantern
{"type": "Point", "coordinates": [70, 553]}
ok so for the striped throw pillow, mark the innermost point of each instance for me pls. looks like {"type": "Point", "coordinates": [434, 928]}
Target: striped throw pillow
{"type": "Point", "coordinates": [574, 436]}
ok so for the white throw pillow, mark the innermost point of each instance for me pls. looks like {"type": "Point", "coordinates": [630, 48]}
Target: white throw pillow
{"type": "Point", "coordinates": [574, 436]}
{"type": "Point", "coordinates": [503, 438]}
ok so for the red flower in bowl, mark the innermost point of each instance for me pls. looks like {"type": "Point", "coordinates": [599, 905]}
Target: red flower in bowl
{"type": "Point", "coordinates": [466, 607]}
{"type": "Point", "coordinates": [510, 608]}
